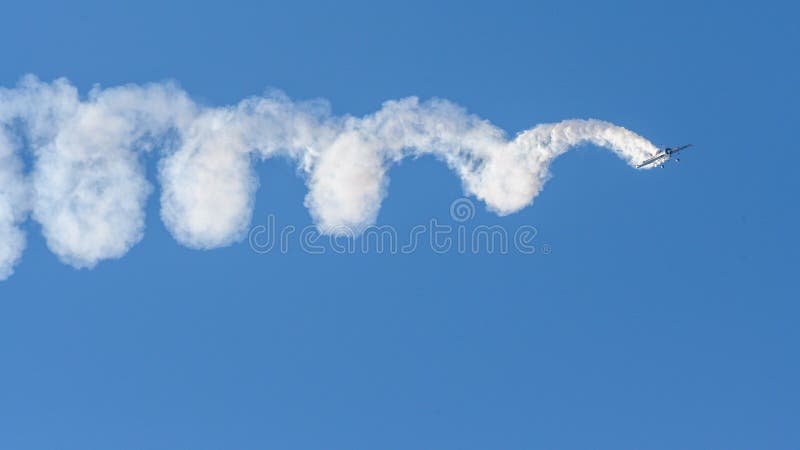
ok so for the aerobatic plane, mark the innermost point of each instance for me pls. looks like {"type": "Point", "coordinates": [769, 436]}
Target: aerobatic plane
{"type": "Point", "coordinates": [663, 156]}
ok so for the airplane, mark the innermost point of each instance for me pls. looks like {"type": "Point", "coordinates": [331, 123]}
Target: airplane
{"type": "Point", "coordinates": [663, 156]}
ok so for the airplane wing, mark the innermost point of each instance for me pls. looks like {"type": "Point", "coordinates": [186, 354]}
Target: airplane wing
{"type": "Point", "coordinates": [649, 161]}
{"type": "Point", "coordinates": [681, 148]}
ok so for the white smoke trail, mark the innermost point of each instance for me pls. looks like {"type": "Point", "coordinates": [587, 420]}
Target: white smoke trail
{"type": "Point", "coordinates": [13, 204]}
{"type": "Point", "coordinates": [87, 187]}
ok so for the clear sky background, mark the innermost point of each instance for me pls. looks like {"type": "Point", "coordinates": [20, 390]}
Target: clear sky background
{"type": "Point", "coordinates": [664, 317]}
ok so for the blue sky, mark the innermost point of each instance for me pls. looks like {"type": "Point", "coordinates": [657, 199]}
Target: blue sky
{"type": "Point", "coordinates": [664, 317]}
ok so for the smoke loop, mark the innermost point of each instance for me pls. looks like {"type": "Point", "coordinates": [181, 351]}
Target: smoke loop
{"type": "Point", "coordinates": [88, 189]}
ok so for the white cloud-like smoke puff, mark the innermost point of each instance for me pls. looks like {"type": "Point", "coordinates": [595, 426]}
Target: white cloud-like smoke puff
{"type": "Point", "coordinates": [13, 205]}
{"type": "Point", "coordinates": [87, 187]}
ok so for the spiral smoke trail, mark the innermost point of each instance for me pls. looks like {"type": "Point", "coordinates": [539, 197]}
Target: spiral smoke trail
{"type": "Point", "coordinates": [87, 186]}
